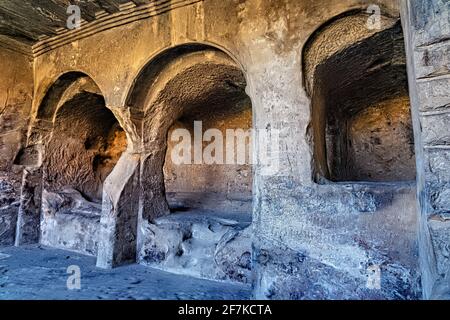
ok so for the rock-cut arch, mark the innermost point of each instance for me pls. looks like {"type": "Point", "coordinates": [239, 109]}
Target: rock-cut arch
{"type": "Point", "coordinates": [73, 145]}
{"type": "Point", "coordinates": [176, 91]}
{"type": "Point", "coordinates": [355, 75]}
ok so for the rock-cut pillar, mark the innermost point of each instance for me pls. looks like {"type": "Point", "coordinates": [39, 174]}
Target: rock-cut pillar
{"type": "Point", "coordinates": [120, 207]}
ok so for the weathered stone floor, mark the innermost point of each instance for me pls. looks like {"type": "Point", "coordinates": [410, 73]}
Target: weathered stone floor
{"type": "Point", "coordinates": [36, 272]}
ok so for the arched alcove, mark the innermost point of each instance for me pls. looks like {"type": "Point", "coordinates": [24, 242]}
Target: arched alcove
{"type": "Point", "coordinates": [214, 109]}
{"type": "Point", "coordinates": [361, 124]}
{"type": "Point", "coordinates": [188, 98]}
{"type": "Point", "coordinates": [84, 143]}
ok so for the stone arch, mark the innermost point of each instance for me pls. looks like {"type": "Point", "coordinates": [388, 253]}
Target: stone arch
{"type": "Point", "coordinates": [183, 84]}
{"type": "Point", "coordinates": [355, 76]}
{"type": "Point", "coordinates": [65, 87]}
{"type": "Point", "coordinates": [73, 145]}
{"type": "Point", "coordinates": [60, 90]}
{"type": "Point", "coordinates": [157, 62]}
{"type": "Point", "coordinates": [157, 82]}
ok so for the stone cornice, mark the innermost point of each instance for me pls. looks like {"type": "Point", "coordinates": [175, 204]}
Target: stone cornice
{"type": "Point", "coordinates": [127, 14]}
{"type": "Point", "coordinates": [15, 46]}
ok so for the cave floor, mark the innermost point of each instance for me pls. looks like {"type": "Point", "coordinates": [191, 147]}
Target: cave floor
{"type": "Point", "coordinates": [40, 273]}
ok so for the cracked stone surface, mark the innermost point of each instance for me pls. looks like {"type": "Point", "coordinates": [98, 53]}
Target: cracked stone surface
{"type": "Point", "coordinates": [37, 272]}
{"type": "Point", "coordinates": [200, 244]}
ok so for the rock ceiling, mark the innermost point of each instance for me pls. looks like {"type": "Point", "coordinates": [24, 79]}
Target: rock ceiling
{"type": "Point", "coordinates": [24, 23]}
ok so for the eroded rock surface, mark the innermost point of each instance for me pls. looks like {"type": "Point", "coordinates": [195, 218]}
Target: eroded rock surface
{"type": "Point", "coordinates": [70, 221]}
{"type": "Point", "coordinates": [361, 113]}
{"type": "Point", "coordinates": [200, 244]}
{"type": "Point", "coordinates": [9, 207]}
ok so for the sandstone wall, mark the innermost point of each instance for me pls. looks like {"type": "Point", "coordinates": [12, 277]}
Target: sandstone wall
{"type": "Point", "coordinates": [428, 28]}
{"type": "Point", "coordinates": [338, 229]}
{"type": "Point", "coordinates": [310, 240]}
{"type": "Point", "coordinates": [16, 93]}
{"type": "Point", "coordinates": [216, 187]}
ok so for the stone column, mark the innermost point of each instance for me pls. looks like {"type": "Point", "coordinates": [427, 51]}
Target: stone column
{"type": "Point", "coordinates": [118, 224]}
{"type": "Point", "coordinates": [427, 26]}
{"type": "Point", "coordinates": [29, 217]}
